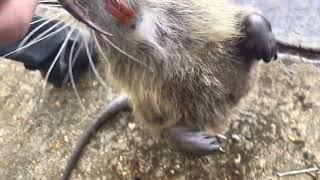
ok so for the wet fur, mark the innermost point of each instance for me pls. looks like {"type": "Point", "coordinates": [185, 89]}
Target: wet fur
{"type": "Point", "coordinates": [191, 71]}
{"type": "Point", "coordinates": [180, 63]}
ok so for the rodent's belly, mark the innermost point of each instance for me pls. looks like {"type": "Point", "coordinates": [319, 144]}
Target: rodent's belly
{"type": "Point", "coordinates": [194, 102]}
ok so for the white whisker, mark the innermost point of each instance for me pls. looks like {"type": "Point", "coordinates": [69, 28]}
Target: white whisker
{"type": "Point", "coordinates": [95, 71]}
{"type": "Point", "coordinates": [46, 32]}
{"type": "Point", "coordinates": [58, 55]}
{"type": "Point", "coordinates": [29, 35]}
{"type": "Point", "coordinates": [53, 6]}
{"type": "Point", "coordinates": [50, 3]}
{"type": "Point", "coordinates": [123, 52]}
{"type": "Point", "coordinates": [39, 20]}
{"type": "Point", "coordinates": [99, 47]}
{"type": "Point", "coordinates": [47, 2]}
{"type": "Point", "coordinates": [30, 44]}
{"type": "Point", "coordinates": [71, 63]}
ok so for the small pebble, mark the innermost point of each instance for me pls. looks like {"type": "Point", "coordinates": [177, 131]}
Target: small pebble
{"type": "Point", "coordinates": [124, 173]}
{"type": "Point", "coordinates": [150, 142]}
{"type": "Point", "coordinates": [57, 104]}
{"type": "Point", "coordinates": [66, 138]}
{"type": "Point", "coordinates": [237, 172]}
{"type": "Point", "coordinates": [132, 125]}
{"type": "Point", "coordinates": [120, 141]}
{"type": "Point", "coordinates": [238, 159]}
{"type": "Point", "coordinates": [159, 173]}
{"type": "Point", "coordinates": [235, 138]}
{"type": "Point", "coordinates": [273, 128]}
{"type": "Point", "coordinates": [57, 145]}
{"type": "Point", "coordinates": [292, 138]}
{"type": "Point", "coordinates": [262, 163]}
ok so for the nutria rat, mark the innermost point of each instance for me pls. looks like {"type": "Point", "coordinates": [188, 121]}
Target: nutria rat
{"type": "Point", "coordinates": [184, 64]}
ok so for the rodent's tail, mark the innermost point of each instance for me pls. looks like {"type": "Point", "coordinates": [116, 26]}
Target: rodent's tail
{"type": "Point", "coordinates": [298, 52]}
{"type": "Point", "coordinates": [111, 109]}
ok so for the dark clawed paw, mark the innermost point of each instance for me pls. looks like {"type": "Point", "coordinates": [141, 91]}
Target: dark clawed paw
{"type": "Point", "coordinates": [196, 142]}
{"type": "Point", "coordinates": [260, 41]}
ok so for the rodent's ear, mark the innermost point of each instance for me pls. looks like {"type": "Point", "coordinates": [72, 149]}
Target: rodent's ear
{"type": "Point", "coordinates": [119, 10]}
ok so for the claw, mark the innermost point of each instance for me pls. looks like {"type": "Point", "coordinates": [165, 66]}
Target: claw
{"type": "Point", "coordinates": [220, 136]}
{"type": "Point", "coordinates": [222, 150]}
{"type": "Point", "coordinates": [195, 142]}
{"type": "Point", "coordinates": [261, 43]}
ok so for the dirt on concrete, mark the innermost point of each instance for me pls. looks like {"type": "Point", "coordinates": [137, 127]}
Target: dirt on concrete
{"type": "Point", "coordinates": [277, 127]}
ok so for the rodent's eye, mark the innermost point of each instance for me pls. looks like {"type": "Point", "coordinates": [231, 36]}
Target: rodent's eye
{"type": "Point", "coordinates": [120, 11]}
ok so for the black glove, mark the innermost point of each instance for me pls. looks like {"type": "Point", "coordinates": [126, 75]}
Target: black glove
{"type": "Point", "coordinates": [41, 55]}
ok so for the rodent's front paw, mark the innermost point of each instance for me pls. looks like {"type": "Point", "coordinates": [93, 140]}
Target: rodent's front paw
{"type": "Point", "coordinates": [260, 41]}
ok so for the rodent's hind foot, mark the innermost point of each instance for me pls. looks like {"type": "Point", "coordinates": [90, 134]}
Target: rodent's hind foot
{"type": "Point", "coordinates": [194, 142]}
{"type": "Point", "coordinates": [260, 41]}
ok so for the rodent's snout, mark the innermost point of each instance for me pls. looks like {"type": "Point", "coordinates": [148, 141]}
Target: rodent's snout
{"type": "Point", "coordinates": [76, 12]}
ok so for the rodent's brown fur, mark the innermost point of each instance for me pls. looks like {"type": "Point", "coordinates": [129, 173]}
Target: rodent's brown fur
{"type": "Point", "coordinates": [199, 75]}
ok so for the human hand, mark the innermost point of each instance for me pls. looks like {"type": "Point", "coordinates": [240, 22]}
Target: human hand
{"type": "Point", "coordinates": [15, 18]}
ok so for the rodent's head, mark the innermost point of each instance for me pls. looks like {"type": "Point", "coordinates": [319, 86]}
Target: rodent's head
{"type": "Point", "coordinates": [156, 31]}
{"type": "Point", "coordinates": [122, 18]}
{"type": "Point", "coordinates": [141, 28]}
{"type": "Point", "coordinates": [103, 15]}
{"type": "Point", "coordinates": [134, 24]}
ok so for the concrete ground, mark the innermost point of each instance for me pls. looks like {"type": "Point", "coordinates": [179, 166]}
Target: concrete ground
{"type": "Point", "coordinates": [278, 127]}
